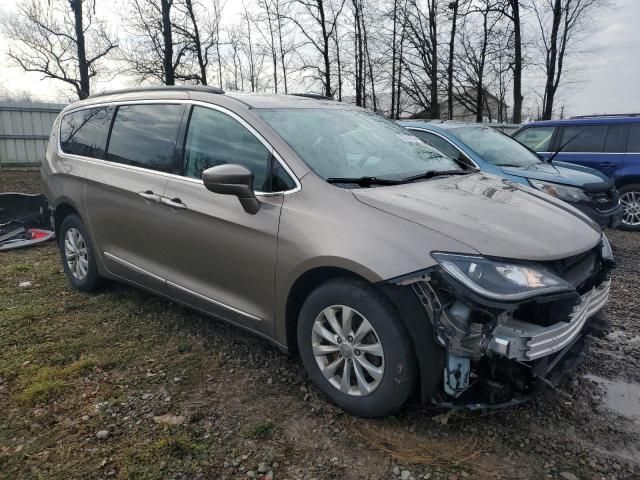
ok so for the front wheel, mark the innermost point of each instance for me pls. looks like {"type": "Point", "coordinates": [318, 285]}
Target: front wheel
{"type": "Point", "coordinates": [630, 201]}
{"type": "Point", "coordinates": [355, 348]}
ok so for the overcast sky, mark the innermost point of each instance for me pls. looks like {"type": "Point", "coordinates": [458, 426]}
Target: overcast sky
{"type": "Point", "coordinates": [608, 74]}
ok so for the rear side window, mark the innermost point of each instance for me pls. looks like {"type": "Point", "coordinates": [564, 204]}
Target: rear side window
{"type": "Point", "coordinates": [583, 138]}
{"type": "Point", "coordinates": [536, 138]}
{"type": "Point", "coordinates": [437, 142]}
{"type": "Point", "coordinates": [214, 138]}
{"type": "Point", "coordinates": [616, 139]}
{"type": "Point", "coordinates": [145, 136]}
{"type": "Point", "coordinates": [85, 132]}
{"type": "Point", "coordinates": [634, 138]}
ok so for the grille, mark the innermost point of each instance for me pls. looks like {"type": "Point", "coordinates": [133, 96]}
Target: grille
{"type": "Point", "coordinates": [604, 201]}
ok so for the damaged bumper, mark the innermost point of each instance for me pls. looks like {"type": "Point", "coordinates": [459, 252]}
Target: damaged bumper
{"type": "Point", "coordinates": [524, 341]}
{"type": "Point", "coordinates": [501, 352]}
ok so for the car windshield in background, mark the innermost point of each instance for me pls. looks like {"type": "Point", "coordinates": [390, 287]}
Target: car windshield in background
{"type": "Point", "coordinates": [337, 143]}
{"type": "Point", "coordinates": [496, 147]}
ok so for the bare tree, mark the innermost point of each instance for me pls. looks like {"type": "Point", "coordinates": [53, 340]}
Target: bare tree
{"type": "Point", "coordinates": [478, 48]}
{"type": "Point", "coordinates": [421, 56]}
{"type": "Point", "coordinates": [514, 15]}
{"type": "Point", "coordinates": [319, 33]}
{"type": "Point", "coordinates": [197, 26]}
{"type": "Point", "coordinates": [272, 26]}
{"type": "Point", "coordinates": [562, 24]}
{"type": "Point", "coordinates": [63, 40]}
{"type": "Point", "coordinates": [454, 6]}
{"type": "Point", "coordinates": [153, 53]}
{"type": "Point", "coordinates": [235, 41]}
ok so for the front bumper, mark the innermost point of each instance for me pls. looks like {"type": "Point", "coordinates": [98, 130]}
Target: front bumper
{"type": "Point", "coordinates": [524, 341]}
{"type": "Point", "coordinates": [606, 219]}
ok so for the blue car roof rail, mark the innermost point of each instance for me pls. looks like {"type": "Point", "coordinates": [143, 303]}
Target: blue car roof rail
{"type": "Point", "coordinates": [608, 115]}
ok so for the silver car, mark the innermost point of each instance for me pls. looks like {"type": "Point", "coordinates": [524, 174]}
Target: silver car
{"type": "Point", "coordinates": [332, 232]}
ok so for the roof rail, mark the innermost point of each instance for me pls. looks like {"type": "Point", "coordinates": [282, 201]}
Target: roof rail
{"type": "Point", "coordinates": [608, 115]}
{"type": "Point", "coordinates": [164, 88]}
{"type": "Point", "coordinates": [317, 96]}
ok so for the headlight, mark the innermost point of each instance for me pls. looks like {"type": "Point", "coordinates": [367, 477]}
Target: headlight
{"type": "Point", "coordinates": [500, 280]}
{"type": "Point", "coordinates": [607, 251]}
{"type": "Point", "coordinates": [564, 192]}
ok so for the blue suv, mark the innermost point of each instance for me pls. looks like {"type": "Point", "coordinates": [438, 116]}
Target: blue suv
{"type": "Point", "coordinates": [609, 143]}
{"type": "Point", "coordinates": [493, 152]}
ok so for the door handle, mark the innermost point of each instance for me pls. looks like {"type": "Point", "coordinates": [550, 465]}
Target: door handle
{"type": "Point", "coordinates": [149, 195]}
{"type": "Point", "coordinates": [173, 203]}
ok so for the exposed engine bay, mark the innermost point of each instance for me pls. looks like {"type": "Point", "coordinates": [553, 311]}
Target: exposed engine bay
{"type": "Point", "coordinates": [501, 352]}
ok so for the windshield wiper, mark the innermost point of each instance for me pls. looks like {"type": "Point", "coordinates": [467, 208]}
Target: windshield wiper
{"type": "Point", "coordinates": [561, 147]}
{"type": "Point", "coordinates": [435, 173]}
{"type": "Point", "coordinates": [364, 181]}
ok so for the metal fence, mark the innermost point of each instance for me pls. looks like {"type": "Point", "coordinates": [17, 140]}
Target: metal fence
{"type": "Point", "coordinates": [24, 132]}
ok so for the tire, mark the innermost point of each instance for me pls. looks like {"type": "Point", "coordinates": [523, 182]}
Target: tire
{"type": "Point", "coordinates": [83, 272]}
{"type": "Point", "coordinates": [395, 368]}
{"type": "Point", "coordinates": [630, 200]}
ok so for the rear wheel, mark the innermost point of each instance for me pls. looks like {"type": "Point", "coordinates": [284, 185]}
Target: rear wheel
{"type": "Point", "coordinates": [77, 254]}
{"type": "Point", "coordinates": [355, 348]}
{"type": "Point", "coordinates": [630, 201]}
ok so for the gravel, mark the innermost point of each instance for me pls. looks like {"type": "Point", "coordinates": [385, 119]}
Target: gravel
{"type": "Point", "coordinates": [568, 433]}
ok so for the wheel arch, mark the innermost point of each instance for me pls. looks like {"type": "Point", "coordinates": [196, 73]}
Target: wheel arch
{"type": "Point", "coordinates": [627, 180]}
{"type": "Point", "coordinates": [63, 209]}
{"type": "Point", "coordinates": [300, 290]}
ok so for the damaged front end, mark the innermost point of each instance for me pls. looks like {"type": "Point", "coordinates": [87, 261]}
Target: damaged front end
{"type": "Point", "coordinates": [508, 328]}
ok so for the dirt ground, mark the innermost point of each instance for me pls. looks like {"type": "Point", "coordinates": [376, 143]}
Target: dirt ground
{"type": "Point", "coordinates": [123, 384]}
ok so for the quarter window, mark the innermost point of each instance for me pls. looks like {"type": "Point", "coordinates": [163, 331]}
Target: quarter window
{"type": "Point", "coordinates": [583, 138]}
{"type": "Point", "coordinates": [437, 142]}
{"type": "Point", "coordinates": [214, 138]}
{"type": "Point", "coordinates": [85, 132]}
{"type": "Point", "coordinates": [536, 138]}
{"type": "Point", "coordinates": [634, 138]}
{"type": "Point", "coordinates": [145, 136]}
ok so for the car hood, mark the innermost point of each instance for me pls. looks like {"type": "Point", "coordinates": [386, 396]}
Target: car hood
{"type": "Point", "coordinates": [559, 172]}
{"type": "Point", "coordinates": [493, 216]}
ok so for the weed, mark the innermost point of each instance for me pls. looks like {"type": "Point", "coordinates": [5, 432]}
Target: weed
{"type": "Point", "coordinates": [260, 430]}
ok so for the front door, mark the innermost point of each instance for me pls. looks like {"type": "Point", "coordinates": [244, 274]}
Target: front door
{"type": "Point", "coordinates": [123, 192]}
{"type": "Point", "coordinates": [220, 258]}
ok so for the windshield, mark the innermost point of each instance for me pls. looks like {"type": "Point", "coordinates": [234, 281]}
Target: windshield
{"type": "Point", "coordinates": [338, 143]}
{"type": "Point", "coordinates": [496, 147]}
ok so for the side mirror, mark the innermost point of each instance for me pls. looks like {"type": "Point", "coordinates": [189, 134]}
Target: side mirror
{"type": "Point", "coordinates": [232, 179]}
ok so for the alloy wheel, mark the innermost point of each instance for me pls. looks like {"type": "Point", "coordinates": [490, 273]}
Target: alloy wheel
{"type": "Point", "coordinates": [630, 202]}
{"type": "Point", "coordinates": [75, 252]}
{"type": "Point", "coordinates": [348, 350]}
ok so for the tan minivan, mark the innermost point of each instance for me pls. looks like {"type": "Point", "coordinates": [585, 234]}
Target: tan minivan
{"type": "Point", "coordinates": [392, 269]}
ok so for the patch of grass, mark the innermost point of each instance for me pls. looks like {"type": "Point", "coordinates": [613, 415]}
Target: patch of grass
{"type": "Point", "coordinates": [50, 381]}
{"type": "Point", "coordinates": [185, 347]}
{"type": "Point", "coordinates": [41, 391]}
{"type": "Point", "coordinates": [261, 430]}
{"type": "Point", "coordinates": [178, 446]}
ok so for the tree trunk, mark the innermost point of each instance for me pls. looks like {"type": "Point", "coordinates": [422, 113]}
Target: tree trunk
{"type": "Point", "coordinates": [369, 63]}
{"type": "Point", "coordinates": [197, 43]}
{"type": "Point", "coordinates": [517, 62]}
{"type": "Point", "coordinates": [452, 40]}
{"type": "Point", "coordinates": [83, 66]}
{"type": "Point", "coordinates": [433, 74]}
{"type": "Point", "coordinates": [325, 52]}
{"type": "Point", "coordinates": [393, 59]}
{"type": "Point", "coordinates": [359, 66]}
{"type": "Point", "coordinates": [167, 37]}
{"type": "Point", "coordinates": [282, 54]}
{"type": "Point", "coordinates": [549, 89]}
{"type": "Point", "coordinates": [339, 63]}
